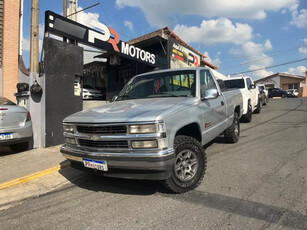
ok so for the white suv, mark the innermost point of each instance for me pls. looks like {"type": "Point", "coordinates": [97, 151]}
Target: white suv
{"type": "Point", "coordinates": [250, 94]}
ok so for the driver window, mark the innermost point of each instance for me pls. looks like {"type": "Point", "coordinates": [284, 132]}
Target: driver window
{"type": "Point", "coordinates": [248, 83]}
{"type": "Point", "coordinates": [206, 82]}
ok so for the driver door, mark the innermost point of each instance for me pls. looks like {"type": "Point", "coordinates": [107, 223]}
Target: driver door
{"type": "Point", "coordinates": [213, 110]}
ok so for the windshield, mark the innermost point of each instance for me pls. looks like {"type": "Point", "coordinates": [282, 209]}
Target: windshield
{"type": "Point", "coordinates": [5, 101]}
{"type": "Point", "coordinates": [235, 83]}
{"type": "Point", "coordinates": [166, 84]}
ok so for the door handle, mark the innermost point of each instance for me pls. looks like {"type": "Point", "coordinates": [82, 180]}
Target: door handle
{"type": "Point", "coordinates": [222, 103]}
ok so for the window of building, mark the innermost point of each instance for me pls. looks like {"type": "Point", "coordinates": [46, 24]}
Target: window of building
{"type": "Point", "coordinates": [292, 86]}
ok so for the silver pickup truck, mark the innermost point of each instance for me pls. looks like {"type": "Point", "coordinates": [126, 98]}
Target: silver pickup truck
{"type": "Point", "coordinates": [156, 128]}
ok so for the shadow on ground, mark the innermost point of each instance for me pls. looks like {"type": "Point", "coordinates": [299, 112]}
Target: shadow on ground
{"type": "Point", "coordinates": [99, 183]}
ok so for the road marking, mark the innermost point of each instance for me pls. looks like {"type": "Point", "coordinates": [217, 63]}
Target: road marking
{"type": "Point", "coordinates": [33, 176]}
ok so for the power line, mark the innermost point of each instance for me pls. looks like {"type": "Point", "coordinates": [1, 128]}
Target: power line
{"type": "Point", "coordinates": [83, 9]}
{"type": "Point", "coordinates": [101, 21]}
{"type": "Point", "coordinates": [277, 53]}
{"type": "Point", "coordinates": [269, 67]}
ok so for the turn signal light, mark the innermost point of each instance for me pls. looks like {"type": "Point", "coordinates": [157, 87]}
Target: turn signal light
{"type": "Point", "coordinates": [28, 117]}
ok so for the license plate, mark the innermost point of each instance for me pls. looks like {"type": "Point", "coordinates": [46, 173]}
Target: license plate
{"type": "Point", "coordinates": [99, 165]}
{"type": "Point", "coordinates": [6, 136]}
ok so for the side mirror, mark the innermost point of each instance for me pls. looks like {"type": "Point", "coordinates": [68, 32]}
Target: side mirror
{"type": "Point", "coordinates": [252, 87]}
{"type": "Point", "coordinates": [114, 98]}
{"type": "Point", "coordinates": [211, 94]}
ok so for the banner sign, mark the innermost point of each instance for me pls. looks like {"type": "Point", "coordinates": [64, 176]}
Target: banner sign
{"type": "Point", "coordinates": [107, 39]}
{"type": "Point", "coordinates": [181, 56]}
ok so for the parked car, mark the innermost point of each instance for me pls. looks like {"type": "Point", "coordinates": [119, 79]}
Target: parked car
{"type": "Point", "coordinates": [156, 128]}
{"type": "Point", "coordinates": [261, 97]}
{"type": "Point", "coordinates": [292, 93]}
{"type": "Point", "coordinates": [90, 92]}
{"type": "Point", "coordinates": [264, 91]}
{"type": "Point", "coordinates": [251, 101]}
{"type": "Point", "coordinates": [277, 92]}
{"type": "Point", "coordinates": [15, 126]}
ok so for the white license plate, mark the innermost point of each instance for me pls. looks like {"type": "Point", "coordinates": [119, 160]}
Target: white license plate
{"type": "Point", "coordinates": [6, 136]}
{"type": "Point", "coordinates": [99, 165]}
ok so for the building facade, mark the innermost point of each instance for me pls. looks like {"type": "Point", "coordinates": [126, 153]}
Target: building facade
{"type": "Point", "coordinates": [9, 47]}
{"type": "Point", "coordinates": [285, 81]}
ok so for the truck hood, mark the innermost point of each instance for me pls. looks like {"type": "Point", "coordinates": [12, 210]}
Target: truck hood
{"type": "Point", "coordinates": [132, 110]}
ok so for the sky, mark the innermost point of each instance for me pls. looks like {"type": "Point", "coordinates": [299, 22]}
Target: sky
{"type": "Point", "coordinates": [238, 36]}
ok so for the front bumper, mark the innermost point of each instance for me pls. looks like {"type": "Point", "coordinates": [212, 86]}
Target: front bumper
{"type": "Point", "coordinates": [131, 165]}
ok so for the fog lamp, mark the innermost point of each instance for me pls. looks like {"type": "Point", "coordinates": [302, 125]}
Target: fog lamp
{"type": "Point", "coordinates": [144, 144]}
{"type": "Point", "coordinates": [71, 141]}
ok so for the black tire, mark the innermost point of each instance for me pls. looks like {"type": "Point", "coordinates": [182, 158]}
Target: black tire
{"type": "Point", "coordinates": [283, 95]}
{"type": "Point", "coordinates": [266, 101]}
{"type": "Point", "coordinates": [20, 147]}
{"type": "Point", "coordinates": [259, 106]}
{"type": "Point", "coordinates": [194, 153]}
{"type": "Point", "coordinates": [248, 116]}
{"type": "Point", "coordinates": [232, 133]}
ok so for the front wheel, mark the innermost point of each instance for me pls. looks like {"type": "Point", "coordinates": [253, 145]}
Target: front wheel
{"type": "Point", "coordinates": [190, 165]}
{"type": "Point", "coordinates": [232, 133]}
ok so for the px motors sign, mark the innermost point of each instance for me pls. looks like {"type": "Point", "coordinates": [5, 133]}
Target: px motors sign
{"type": "Point", "coordinates": [181, 56]}
{"type": "Point", "coordinates": [106, 38]}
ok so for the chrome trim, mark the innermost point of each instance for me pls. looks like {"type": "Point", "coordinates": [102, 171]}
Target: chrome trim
{"type": "Point", "coordinates": [164, 153]}
{"type": "Point", "coordinates": [97, 137]}
{"type": "Point", "coordinates": [114, 124]}
{"type": "Point", "coordinates": [73, 158]}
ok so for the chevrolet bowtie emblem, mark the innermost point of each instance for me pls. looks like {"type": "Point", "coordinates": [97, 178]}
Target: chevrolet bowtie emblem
{"type": "Point", "coordinates": [95, 138]}
{"type": "Point", "coordinates": [2, 114]}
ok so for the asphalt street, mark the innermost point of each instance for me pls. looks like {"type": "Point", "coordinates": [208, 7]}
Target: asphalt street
{"type": "Point", "coordinates": [258, 183]}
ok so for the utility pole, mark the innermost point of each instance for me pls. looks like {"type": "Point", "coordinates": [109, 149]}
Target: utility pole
{"type": "Point", "coordinates": [36, 102]}
{"type": "Point", "coordinates": [34, 52]}
{"type": "Point", "coordinates": [73, 5]}
{"type": "Point", "coordinates": [65, 8]}
{"type": "Point", "coordinates": [20, 27]}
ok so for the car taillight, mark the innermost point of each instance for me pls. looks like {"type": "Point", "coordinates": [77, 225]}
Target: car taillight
{"type": "Point", "coordinates": [3, 108]}
{"type": "Point", "coordinates": [28, 117]}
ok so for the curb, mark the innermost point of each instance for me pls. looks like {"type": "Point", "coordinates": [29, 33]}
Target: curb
{"type": "Point", "coordinates": [33, 176]}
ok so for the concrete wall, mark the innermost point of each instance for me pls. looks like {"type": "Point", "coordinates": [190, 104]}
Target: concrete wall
{"type": "Point", "coordinates": [270, 81]}
{"type": "Point", "coordinates": [1, 82]}
{"type": "Point", "coordinates": [10, 48]}
{"type": "Point", "coordinates": [303, 89]}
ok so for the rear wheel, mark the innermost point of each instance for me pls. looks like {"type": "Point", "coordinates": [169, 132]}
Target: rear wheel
{"type": "Point", "coordinates": [266, 101]}
{"type": "Point", "coordinates": [20, 147]}
{"type": "Point", "coordinates": [190, 165]}
{"type": "Point", "coordinates": [232, 133]}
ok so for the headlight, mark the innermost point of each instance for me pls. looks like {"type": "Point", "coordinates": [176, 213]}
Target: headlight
{"type": "Point", "coordinates": [68, 128]}
{"type": "Point", "coordinates": [152, 128]}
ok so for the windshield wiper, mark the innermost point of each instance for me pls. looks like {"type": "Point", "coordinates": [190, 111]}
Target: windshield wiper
{"type": "Point", "coordinates": [170, 94]}
{"type": "Point", "coordinates": [125, 97]}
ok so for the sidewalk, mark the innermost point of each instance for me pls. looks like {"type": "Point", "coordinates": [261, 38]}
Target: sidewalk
{"type": "Point", "coordinates": [17, 165]}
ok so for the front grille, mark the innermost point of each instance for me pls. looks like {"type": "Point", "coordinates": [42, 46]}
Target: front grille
{"type": "Point", "coordinates": [104, 144]}
{"type": "Point", "coordinates": [104, 130]}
